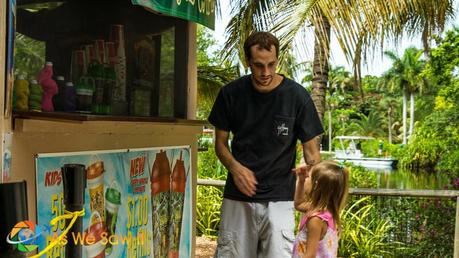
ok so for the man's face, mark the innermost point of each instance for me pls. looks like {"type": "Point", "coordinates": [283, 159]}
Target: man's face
{"type": "Point", "coordinates": [263, 66]}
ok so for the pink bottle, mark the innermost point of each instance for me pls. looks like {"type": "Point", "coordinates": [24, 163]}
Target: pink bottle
{"type": "Point", "coordinates": [45, 78]}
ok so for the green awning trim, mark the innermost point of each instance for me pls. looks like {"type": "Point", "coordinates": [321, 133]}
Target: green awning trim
{"type": "Point", "coordinates": [200, 11]}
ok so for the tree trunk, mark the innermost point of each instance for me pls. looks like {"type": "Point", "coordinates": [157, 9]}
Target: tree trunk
{"type": "Point", "coordinates": [410, 132]}
{"type": "Point", "coordinates": [330, 139]}
{"type": "Point", "coordinates": [320, 65]}
{"type": "Point", "coordinates": [404, 115]}
{"type": "Point", "coordinates": [389, 126]}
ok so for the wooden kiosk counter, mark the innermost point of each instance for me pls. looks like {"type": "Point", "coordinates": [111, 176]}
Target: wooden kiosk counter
{"type": "Point", "coordinates": [125, 109]}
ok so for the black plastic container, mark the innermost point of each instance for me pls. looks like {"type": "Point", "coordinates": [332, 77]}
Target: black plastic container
{"type": "Point", "coordinates": [74, 177]}
{"type": "Point", "coordinates": [13, 209]}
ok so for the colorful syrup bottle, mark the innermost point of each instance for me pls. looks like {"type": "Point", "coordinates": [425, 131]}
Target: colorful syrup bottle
{"type": "Point", "coordinates": [35, 96]}
{"type": "Point", "coordinates": [45, 78]}
{"type": "Point", "coordinates": [21, 94]}
{"type": "Point", "coordinates": [69, 97]}
{"type": "Point", "coordinates": [58, 98]}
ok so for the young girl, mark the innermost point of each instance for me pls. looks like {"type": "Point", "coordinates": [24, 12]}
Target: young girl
{"type": "Point", "coordinates": [320, 193]}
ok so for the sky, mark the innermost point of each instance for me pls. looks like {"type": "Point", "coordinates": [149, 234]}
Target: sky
{"type": "Point", "coordinates": [375, 66]}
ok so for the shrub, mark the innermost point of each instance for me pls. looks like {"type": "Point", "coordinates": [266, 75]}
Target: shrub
{"type": "Point", "coordinates": [209, 199]}
{"type": "Point", "coordinates": [364, 233]}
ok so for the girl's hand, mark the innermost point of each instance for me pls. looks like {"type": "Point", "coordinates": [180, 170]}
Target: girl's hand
{"type": "Point", "coordinates": [302, 171]}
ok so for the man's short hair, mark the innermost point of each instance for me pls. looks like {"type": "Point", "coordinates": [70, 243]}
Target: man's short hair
{"type": "Point", "coordinates": [263, 39]}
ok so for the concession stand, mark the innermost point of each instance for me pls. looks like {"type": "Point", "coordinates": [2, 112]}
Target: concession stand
{"type": "Point", "coordinates": [103, 130]}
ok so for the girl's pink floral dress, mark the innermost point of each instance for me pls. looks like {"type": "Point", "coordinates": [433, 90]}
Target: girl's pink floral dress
{"type": "Point", "coordinates": [328, 246]}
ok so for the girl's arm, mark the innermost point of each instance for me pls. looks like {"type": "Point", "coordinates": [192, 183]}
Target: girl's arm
{"type": "Point", "coordinates": [311, 157]}
{"type": "Point", "coordinates": [300, 201]}
{"type": "Point", "coordinates": [316, 230]}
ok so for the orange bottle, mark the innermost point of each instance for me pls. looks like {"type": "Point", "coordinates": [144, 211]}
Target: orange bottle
{"type": "Point", "coordinates": [160, 174]}
{"type": "Point", "coordinates": [179, 176]}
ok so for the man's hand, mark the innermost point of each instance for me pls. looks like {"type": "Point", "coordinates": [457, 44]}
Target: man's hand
{"type": "Point", "coordinates": [244, 179]}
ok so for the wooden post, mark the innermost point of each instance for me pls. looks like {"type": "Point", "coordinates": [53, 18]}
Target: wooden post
{"type": "Point", "coordinates": [3, 31]}
{"type": "Point", "coordinates": [456, 231]}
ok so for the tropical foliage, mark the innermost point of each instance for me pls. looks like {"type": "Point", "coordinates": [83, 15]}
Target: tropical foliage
{"type": "Point", "coordinates": [29, 56]}
{"type": "Point", "coordinates": [435, 143]}
{"type": "Point", "coordinates": [359, 26]}
{"type": "Point", "coordinates": [364, 234]}
{"type": "Point", "coordinates": [396, 227]}
{"type": "Point", "coordinates": [212, 73]}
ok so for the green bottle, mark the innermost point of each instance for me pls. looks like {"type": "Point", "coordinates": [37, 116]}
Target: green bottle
{"type": "Point", "coordinates": [96, 71]}
{"type": "Point", "coordinates": [35, 97]}
{"type": "Point", "coordinates": [84, 91]}
{"type": "Point", "coordinates": [110, 84]}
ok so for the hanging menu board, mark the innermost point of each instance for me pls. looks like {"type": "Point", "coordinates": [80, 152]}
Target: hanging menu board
{"type": "Point", "coordinates": [137, 202]}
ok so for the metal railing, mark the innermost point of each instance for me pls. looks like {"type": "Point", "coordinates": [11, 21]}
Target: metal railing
{"type": "Point", "coordinates": [445, 194]}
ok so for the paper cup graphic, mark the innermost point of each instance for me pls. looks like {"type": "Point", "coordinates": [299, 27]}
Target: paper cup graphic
{"type": "Point", "coordinates": [95, 182]}
{"type": "Point", "coordinates": [179, 176]}
{"type": "Point", "coordinates": [112, 204]}
{"type": "Point", "coordinates": [176, 206]}
{"type": "Point", "coordinates": [93, 242]}
{"type": "Point", "coordinates": [160, 187]}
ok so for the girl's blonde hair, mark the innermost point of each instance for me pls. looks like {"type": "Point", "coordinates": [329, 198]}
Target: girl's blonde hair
{"type": "Point", "coordinates": [330, 184]}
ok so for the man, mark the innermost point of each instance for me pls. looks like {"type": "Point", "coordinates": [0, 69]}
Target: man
{"type": "Point", "coordinates": [266, 113]}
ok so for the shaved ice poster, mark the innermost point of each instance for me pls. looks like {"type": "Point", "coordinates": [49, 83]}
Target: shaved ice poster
{"type": "Point", "coordinates": [137, 201]}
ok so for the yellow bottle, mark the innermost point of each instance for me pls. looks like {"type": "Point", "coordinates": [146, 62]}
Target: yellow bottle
{"type": "Point", "coordinates": [21, 92]}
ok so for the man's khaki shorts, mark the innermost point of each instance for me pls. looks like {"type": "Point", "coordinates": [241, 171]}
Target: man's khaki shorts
{"type": "Point", "coordinates": [256, 229]}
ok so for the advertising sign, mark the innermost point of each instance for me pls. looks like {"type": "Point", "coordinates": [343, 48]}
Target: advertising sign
{"type": "Point", "coordinates": [200, 11]}
{"type": "Point", "coordinates": [137, 202]}
{"type": "Point", "coordinates": [11, 30]}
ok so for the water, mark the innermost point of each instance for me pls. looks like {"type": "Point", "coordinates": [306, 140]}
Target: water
{"type": "Point", "coordinates": [404, 179]}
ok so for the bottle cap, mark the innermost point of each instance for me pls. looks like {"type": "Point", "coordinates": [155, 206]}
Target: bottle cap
{"type": "Point", "coordinates": [21, 77]}
{"type": "Point", "coordinates": [60, 78]}
{"type": "Point", "coordinates": [69, 84]}
{"type": "Point", "coordinates": [33, 81]}
{"type": "Point", "coordinates": [49, 63]}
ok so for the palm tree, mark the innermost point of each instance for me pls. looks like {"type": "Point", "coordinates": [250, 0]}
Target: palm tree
{"type": "Point", "coordinates": [359, 26]}
{"type": "Point", "coordinates": [210, 80]}
{"type": "Point", "coordinates": [339, 79]}
{"type": "Point", "coordinates": [370, 125]}
{"type": "Point", "coordinates": [405, 74]}
{"type": "Point", "coordinates": [212, 75]}
{"type": "Point", "coordinates": [390, 104]}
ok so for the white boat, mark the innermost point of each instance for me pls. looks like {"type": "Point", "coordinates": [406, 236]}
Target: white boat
{"type": "Point", "coordinates": [354, 155]}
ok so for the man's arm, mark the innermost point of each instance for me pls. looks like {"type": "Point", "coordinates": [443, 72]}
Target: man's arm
{"type": "Point", "coordinates": [311, 152]}
{"type": "Point", "coordinates": [243, 177]}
